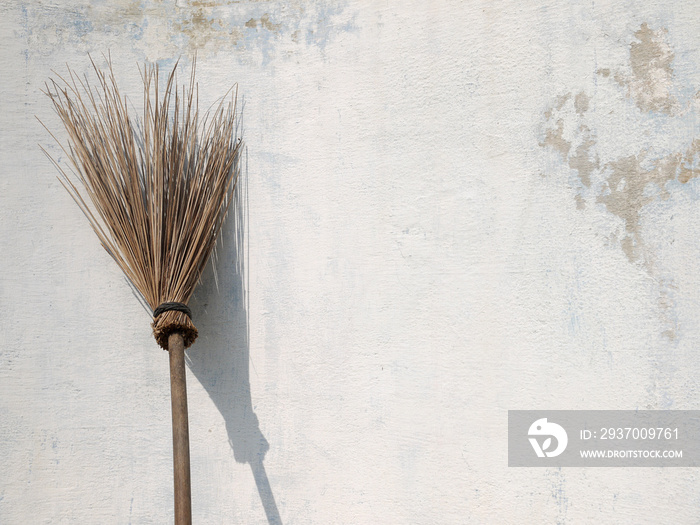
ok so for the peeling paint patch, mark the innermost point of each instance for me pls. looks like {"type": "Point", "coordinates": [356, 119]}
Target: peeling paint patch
{"type": "Point", "coordinates": [627, 184]}
{"type": "Point", "coordinates": [621, 185]}
{"type": "Point", "coordinates": [554, 138]}
{"type": "Point", "coordinates": [200, 26]}
{"type": "Point", "coordinates": [626, 190]}
{"type": "Point", "coordinates": [263, 23]}
{"type": "Point", "coordinates": [584, 160]}
{"type": "Point", "coordinates": [581, 103]}
{"type": "Point", "coordinates": [171, 28]}
{"type": "Point", "coordinates": [650, 83]}
{"type": "Point", "coordinates": [624, 196]}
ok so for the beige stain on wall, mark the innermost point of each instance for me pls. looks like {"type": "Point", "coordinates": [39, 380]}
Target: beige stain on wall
{"type": "Point", "coordinates": [624, 182]}
{"type": "Point", "coordinates": [264, 23]}
{"type": "Point", "coordinates": [169, 28]}
{"type": "Point", "coordinates": [583, 158]}
{"type": "Point", "coordinates": [199, 23]}
{"type": "Point", "coordinates": [651, 58]}
{"type": "Point", "coordinates": [626, 185]}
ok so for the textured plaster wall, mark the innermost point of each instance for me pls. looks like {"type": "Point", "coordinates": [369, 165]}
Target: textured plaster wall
{"type": "Point", "coordinates": [448, 210]}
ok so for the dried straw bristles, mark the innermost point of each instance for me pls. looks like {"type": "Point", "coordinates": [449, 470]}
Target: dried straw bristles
{"type": "Point", "coordinates": [156, 190]}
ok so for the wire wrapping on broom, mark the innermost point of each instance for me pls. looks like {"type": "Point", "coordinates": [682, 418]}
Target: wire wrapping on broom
{"type": "Point", "coordinates": [170, 317]}
{"type": "Point", "coordinates": [179, 307]}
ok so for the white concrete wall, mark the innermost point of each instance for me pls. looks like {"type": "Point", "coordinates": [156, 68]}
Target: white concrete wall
{"type": "Point", "coordinates": [450, 210]}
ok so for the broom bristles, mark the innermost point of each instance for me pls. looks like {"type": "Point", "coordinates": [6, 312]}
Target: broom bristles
{"type": "Point", "coordinates": [155, 189]}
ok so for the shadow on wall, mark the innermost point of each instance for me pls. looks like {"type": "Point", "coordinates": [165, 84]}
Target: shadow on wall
{"type": "Point", "coordinates": [220, 360]}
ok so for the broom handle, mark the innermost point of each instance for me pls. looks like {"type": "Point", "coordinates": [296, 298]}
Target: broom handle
{"type": "Point", "coordinates": [181, 434]}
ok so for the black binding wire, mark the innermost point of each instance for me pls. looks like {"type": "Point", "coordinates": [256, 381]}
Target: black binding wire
{"type": "Point", "coordinates": [178, 307]}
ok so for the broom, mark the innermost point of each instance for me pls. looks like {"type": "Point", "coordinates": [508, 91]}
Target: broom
{"type": "Point", "coordinates": [156, 191]}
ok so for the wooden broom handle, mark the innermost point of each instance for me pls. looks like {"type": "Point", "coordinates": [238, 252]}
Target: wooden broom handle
{"type": "Point", "coordinates": [181, 433]}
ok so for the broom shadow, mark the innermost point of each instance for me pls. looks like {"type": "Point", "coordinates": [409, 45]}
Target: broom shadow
{"type": "Point", "coordinates": [220, 360]}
